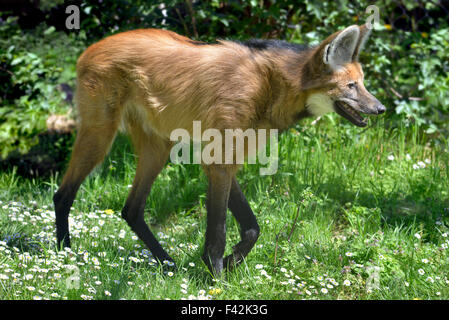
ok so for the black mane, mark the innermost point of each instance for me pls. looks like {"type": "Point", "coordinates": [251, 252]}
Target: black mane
{"type": "Point", "coordinates": [261, 45]}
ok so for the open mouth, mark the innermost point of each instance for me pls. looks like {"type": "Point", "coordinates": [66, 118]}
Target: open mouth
{"type": "Point", "coordinates": [348, 112]}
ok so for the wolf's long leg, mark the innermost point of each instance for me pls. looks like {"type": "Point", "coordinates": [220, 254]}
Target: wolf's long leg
{"type": "Point", "coordinates": [220, 179]}
{"type": "Point", "coordinates": [152, 154]}
{"type": "Point", "coordinates": [93, 141]}
{"type": "Point", "coordinates": [249, 229]}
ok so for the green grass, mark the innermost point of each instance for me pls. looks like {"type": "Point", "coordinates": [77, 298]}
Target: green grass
{"type": "Point", "coordinates": [372, 223]}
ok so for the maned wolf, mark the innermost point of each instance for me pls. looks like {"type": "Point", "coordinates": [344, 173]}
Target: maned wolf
{"type": "Point", "coordinates": [151, 82]}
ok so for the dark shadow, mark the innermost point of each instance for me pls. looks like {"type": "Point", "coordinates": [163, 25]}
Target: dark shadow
{"type": "Point", "coordinates": [398, 208]}
{"type": "Point", "coordinates": [48, 156]}
{"type": "Point", "coordinates": [25, 243]}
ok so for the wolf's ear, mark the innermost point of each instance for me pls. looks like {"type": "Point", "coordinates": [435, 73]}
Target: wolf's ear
{"type": "Point", "coordinates": [341, 49]}
{"type": "Point", "coordinates": [365, 31]}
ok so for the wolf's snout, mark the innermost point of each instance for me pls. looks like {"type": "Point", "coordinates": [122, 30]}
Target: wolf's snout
{"type": "Point", "coordinates": [380, 108]}
{"type": "Point", "coordinates": [376, 107]}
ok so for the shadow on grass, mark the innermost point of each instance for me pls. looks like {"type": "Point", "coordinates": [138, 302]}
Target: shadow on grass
{"type": "Point", "coordinates": [404, 207]}
{"type": "Point", "coordinates": [25, 243]}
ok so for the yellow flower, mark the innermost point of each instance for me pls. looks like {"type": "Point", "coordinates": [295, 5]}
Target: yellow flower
{"type": "Point", "coordinates": [109, 211]}
{"type": "Point", "coordinates": [388, 26]}
{"type": "Point", "coordinates": [214, 292]}
{"type": "Point", "coordinates": [416, 299]}
{"type": "Point", "coordinates": [424, 34]}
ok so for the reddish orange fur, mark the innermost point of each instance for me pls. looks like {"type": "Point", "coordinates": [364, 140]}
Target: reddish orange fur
{"type": "Point", "coordinates": [160, 81]}
{"type": "Point", "coordinates": [151, 82]}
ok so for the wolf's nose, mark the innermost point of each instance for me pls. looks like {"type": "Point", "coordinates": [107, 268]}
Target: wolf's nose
{"type": "Point", "coordinates": [381, 109]}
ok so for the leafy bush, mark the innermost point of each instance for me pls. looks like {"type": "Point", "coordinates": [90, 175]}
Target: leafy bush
{"type": "Point", "coordinates": [33, 65]}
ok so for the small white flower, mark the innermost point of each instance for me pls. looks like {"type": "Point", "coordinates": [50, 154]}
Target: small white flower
{"type": "Point", "coordinates": [347, 283]}
{"type": "Point", "coordinates": [264, 273]}
{"type": "Point", "coordinates": [390, 157]}
{"type": "Point", "coordinates": [415, 167]}
{"type": "Point", "coordinates": [134, 259]}
{"type": "Point", "coordinates": [259, 266]}
{"type": "Point", "coordinates": [107, 293]}
{"type": "Point", "coordinates": [324, 290]}
{"type": "Point", "coordinates": [427, 161]}
{"type": "Point", "coordinates": [349, 254]}
{"type": "Point", "coordinates": [417, 236]}
{"type": "Point", "coordinates": [424, 261]}
{"type": "Point", "coordinates": [92, 290]}
{"type": "Point", "coordinates": [421, 271]}
{"type": "Point", "coordinates": [421, 164]}
{"type": "Point", "coordinates": [169, 263]}
{"type": "Point", "coordinates": [407, 157]}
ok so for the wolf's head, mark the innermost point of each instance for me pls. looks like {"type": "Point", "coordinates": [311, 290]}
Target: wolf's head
{"type": "Point", "coordinates": [335, 78]}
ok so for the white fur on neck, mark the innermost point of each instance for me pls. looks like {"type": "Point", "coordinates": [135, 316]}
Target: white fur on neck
{"type": "Point", "coordinates": [319, 104]}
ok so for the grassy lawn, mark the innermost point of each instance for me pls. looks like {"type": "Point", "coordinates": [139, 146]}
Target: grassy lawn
{"type": "Point", "coordinates": [350, 214]}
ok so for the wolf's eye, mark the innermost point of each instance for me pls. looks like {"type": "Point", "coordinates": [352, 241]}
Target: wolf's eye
{"type": "Point", "coordinates": [352, 85]}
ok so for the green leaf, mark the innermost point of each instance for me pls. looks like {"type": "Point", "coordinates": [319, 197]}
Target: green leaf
{"type": "Point", "coordinates": [49, 31]}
